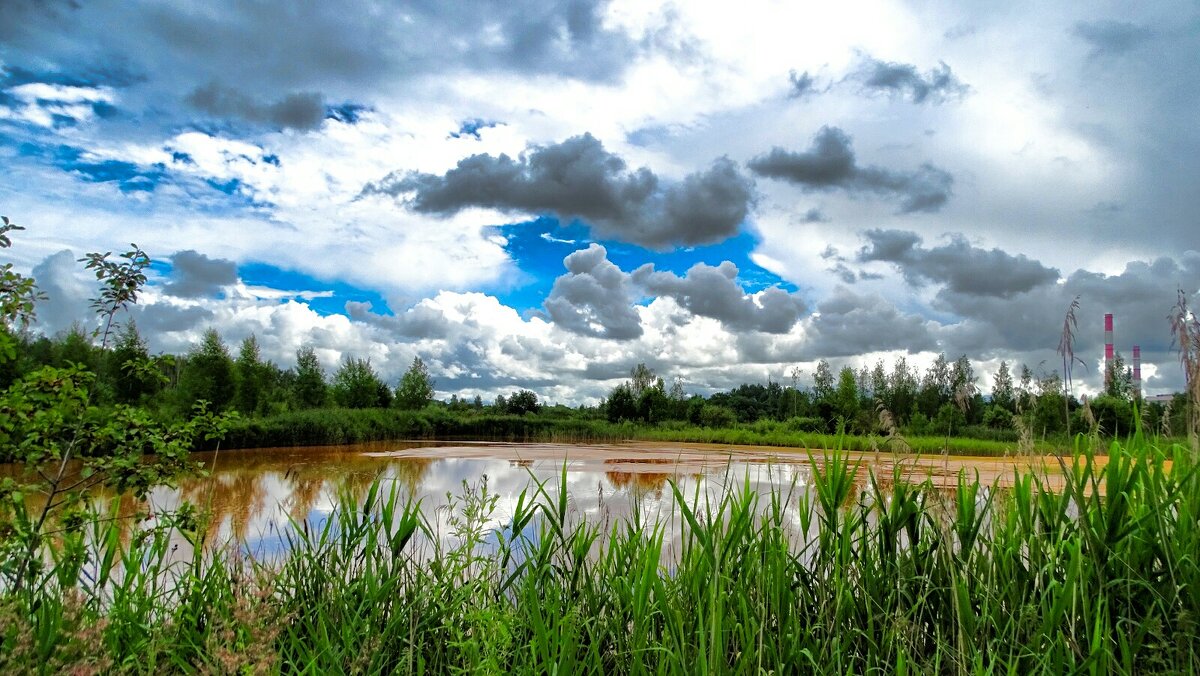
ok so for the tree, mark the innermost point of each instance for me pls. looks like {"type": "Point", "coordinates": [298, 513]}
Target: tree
{"type": "Point", "coordinates": [845, 398]}
{"type": "Point", "coordinates": [208, 373]}
{"type": "Point", "coordinates": [416, 387]}
{"type": "Point", "coordinates": [309, 388]}
{"type": "Point", "coordinates": [879, 382]}
{"type": "Point", "coordinates": [1002, 388]}
{"type": "Point", "coordinates": [51, 425]}
{"type": "Point", "coordinates": [522, 402]}
{"type": "Point", "coordinates": [641, 378]}
{"type": "Point", "coordinates": [621, 404]}
{"type": "Point", "coordinates": [822, 383]}
{"type": "Point", "coordinates": [355, 384]}
{"type": "Point", "coordinates": [132, 372]}
{"type": "Point", "coordinates": [252, 376]}
{"type": "Point", "coordinates": [902, 390]}
{"type": "Point", "coordinates": [1118, 379]}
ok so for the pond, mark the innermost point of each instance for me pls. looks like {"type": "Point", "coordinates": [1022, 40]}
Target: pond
{"type": "Point", "coordinates": [254, 496]}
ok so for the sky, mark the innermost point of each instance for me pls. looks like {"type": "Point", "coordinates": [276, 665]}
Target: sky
{"type": "Point", "coordinates": [543, 194]}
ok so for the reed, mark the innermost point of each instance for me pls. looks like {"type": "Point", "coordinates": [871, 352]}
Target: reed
{"type": "Point", "coordinates": [830, 575]}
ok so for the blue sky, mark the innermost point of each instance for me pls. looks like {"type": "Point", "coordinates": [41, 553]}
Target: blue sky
{"type": "Point", "coordinates": [548, 193]}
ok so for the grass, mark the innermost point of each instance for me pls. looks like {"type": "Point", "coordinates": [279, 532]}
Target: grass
{"type": "Point", "coordinates": [835, 576]}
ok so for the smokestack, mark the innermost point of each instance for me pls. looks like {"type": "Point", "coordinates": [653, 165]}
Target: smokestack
{"type": "Point", "coordinates": [1108, 346]}
{"type": "Point", "coordinates": [1137, 371]}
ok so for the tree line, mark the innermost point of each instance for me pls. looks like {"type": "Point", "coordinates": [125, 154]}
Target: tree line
{"type": "Point", "coordinates": [945, 399]}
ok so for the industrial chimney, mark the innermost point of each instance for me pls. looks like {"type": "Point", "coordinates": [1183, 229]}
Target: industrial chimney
{"type": "Point", "coordinates": [1108, 347]}
{"type": "Point", "coordinates": [1137, 371]}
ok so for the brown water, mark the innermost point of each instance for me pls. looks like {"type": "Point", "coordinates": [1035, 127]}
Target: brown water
{"type": "Point", "coordinates": [254, 496]}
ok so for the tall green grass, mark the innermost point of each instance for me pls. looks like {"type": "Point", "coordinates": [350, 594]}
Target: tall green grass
{"type": "Point", "coordinates": [834, 575]}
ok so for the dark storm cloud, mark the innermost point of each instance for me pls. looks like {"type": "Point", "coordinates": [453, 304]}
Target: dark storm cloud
{"type": "Point", "coordinates": [963, 268]}
{"type": "Point", "coordinates": [578, 178]}
{"type": "Point", "coordinates": [710, 291]}
{"type": "Point", "coordinates": [1030, 323]}
{"type": "Point", "coordinates": [902, 80]}
{"type": "Point", "coordinates": [274, 48]}
{"type": "Point", "coordinates": [1111, 38]}
{"type": "Point", "coordinates": [295, 111]}
{"type": "Point", "coordinates": [420, 321]}
{"type": "Point", "coordinates": [848, 324]}
{"type": "Point", "coordinates": [194, 275]}
{"type": "Point", "coordinates": [830, 163]}
{"type": "Point", "coordinates": [594, 298]}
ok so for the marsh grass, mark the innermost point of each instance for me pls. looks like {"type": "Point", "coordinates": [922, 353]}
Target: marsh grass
{"type": "Point", "coordinates": [830, 575]}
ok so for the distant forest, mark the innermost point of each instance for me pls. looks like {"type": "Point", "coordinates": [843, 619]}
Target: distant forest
{"type": "Point", "coordinates": [947, 399]}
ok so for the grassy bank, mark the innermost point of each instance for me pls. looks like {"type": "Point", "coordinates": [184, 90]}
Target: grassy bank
{"type": "Point", "coordinates": [346, 426]}
{"type": "Point", "coordinates": [837, 578]}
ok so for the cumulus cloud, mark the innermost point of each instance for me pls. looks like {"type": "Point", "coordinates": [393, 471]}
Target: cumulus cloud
{"type": "Point", "coordinates": [963, 268]}
{"type": "Point", "coordinates": [302, 111]}
{"type": "Point", "coordinates": [67, 294]}
{"type": "Point", "coordinates": [830, 163]}
{"type": "Point", "coordinates": [578, 178]}
{"type": "Point", "coordinates": [194, 275]}
{"type": "Point", "coordinates": [713, 291]}
{"type": "Point", "coordinates": [422, 321]}
{"type": "Point", "coordinates": [1111, 38]}
{"type": "Point", "coordinates": [594, 298]}
{"type": "Point", "coordinates": [849, 324]}
{"type": "Point", "coordinates": [902, 80]}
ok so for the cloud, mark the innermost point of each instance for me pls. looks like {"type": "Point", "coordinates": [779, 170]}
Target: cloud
{"type": "Point", "coordinates": [904, 81]}
{"type": "Point", "coordinates": [67, 294]}
{"type": "Point", "coordinates": [849, 324]}
{"type": "Point", "coordinates": [273, 49]}
{"type": "Point", "coordinates": [194, 275]}
{"type": "Point", "coordinates": [295, 111]}
{"type": "Point", "coordinates": [594, 298]}
{"type": "Point", "coordinates": [803, 84]}
{"type": "Point", "coordinates": [422, 321]}
{"type": "Point", "coordinates": [710, 291]}
{"type": "Point", "coordinates": [963, 268]}
{"type": "Point", "coordinates": [830, 164]}
{"type": "Point", "coordinates": [1111, 38]}
{"type": "Point", "coordinates": [578, 178]}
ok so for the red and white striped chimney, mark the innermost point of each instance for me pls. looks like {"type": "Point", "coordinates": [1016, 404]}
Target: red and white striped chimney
{"type": "Point", "coordinates": [1108, 346]}
{"type": "Point", "coordinates": [1137, 371]}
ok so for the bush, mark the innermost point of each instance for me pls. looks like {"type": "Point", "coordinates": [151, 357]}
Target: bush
{"type": "Point", "coordinates": [717, 416]}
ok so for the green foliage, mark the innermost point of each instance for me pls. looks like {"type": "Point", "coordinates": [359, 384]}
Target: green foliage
{"type": "Point", "coordinates": [120, 283]}
{"type": "Point", "coordinates": [823, 383]}
{"type": "Point", "coordinates": [717, 416]}
{"type": "Point", "coordinates": [621, 404]}
{"type": "Point", "coordinates": [130, 368]}
{"type": "Point", "coordinates": [62, 444]}
{"type": "Point", "coordinates": [208, 374]}
{"type": "Point", "coordinates": [851, 572]}
{"type": "Point", "coordinates": [416, 387]}
{"type": "Point", "coordinates": [1118, 378]}
{"type": "Point", "coordinates": [356, 385]}
{"type": "Point", "coordinates": [309, 388]}
{"type": "Point", "coordinates": [252, 377]}
{"type": "Point", "coordinates": [521, 403]}
{"type": "Point", "coordinates": [1003, 394]}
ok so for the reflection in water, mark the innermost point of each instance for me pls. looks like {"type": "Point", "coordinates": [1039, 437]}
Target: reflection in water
{"type": "Point", "coordinates": [252, 498]}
